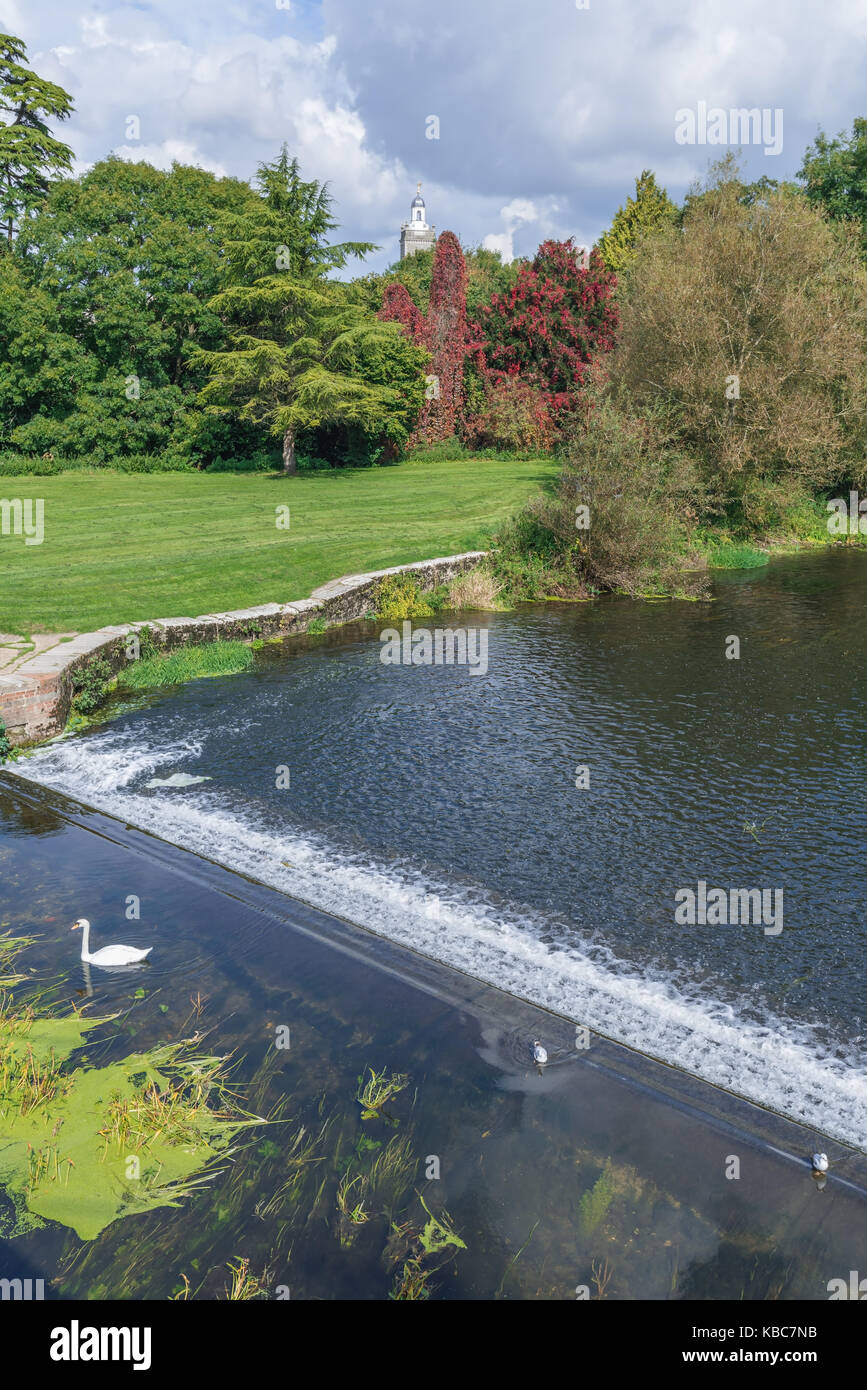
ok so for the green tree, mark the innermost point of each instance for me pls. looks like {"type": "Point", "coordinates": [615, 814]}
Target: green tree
{"type": "Point", "coordinates": [29, 154]}
{"type": "Point", "coordinates": [297, 341]}
{"type": "Point", "coordinates": [747, 328]}
{"type": "Point", "coordinates": [122, 262]}
{"type": "Point", "coordinates": [835, 172]}
{"type": "Point", "coordinates": [649, 211]}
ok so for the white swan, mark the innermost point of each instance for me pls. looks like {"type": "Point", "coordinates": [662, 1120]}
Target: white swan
{"type": "Point", "coordinates": [109, 955]}
{"type": "Point", "coordinates": [540, 1056]}
{"type": "Point", "coordinates": [820, 1163]}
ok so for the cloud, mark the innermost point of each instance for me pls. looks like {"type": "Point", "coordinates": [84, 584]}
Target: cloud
{"type": "Point", "coordinates": [545, 105]}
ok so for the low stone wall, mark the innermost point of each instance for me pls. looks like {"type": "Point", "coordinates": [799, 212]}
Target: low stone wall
{"type": "Point", "coordinates": [35, 698]}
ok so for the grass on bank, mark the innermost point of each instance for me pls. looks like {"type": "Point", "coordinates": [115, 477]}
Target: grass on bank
{"type": "Point", "coordinates": [187, 664]}
{"type": "Point", "coordinates": [122, 548]}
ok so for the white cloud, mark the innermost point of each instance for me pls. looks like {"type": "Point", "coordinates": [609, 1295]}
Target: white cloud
{"type": "Point", "coordinates": [544, 105]}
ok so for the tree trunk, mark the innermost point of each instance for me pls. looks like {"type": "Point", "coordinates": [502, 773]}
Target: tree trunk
{"type": "Point", "coordinates": [290, 462]}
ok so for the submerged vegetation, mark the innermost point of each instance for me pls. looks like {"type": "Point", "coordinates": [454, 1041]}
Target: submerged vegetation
{"type": "Point", "coordinates": [86, 1145]}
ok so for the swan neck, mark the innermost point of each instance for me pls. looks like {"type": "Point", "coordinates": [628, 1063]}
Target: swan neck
{"type": "Point", "coordinates": [85, 941]}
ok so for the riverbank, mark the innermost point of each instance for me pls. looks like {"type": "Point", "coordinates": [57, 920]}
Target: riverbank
{"type": "Point", "coordinates": [605, 1175]}
{"type": "Point", "coordinates": [36, 694]}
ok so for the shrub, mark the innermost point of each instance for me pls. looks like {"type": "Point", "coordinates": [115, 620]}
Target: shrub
{"type": "Point", "coordinates": [398, 597]}
{"type": "Point", "coordinates": [515, 416]}
{"type": "Point", "coordinates": [5, 745]}
{"type": "Point", "coordinates": [90, 685]}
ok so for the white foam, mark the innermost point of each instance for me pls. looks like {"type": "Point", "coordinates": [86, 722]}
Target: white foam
{"type": "Point", "coordinates": [779, 1065]}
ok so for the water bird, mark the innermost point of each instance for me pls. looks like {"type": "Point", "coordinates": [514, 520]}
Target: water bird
{"type": "Point", "coordinates": [820, 1163]}
{"type": "Point", "coordinates": [109, 955]}
{"type": "Point", "coordinates": [540, 1056]}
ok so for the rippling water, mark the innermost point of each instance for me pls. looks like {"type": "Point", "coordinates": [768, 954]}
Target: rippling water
{"type": "Point", "coordinates": [440, 809]}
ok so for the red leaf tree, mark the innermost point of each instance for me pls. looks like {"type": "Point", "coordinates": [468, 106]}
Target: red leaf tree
{"type": "Point", "coordinates": [399, 306]}
{"type": "Point", "coordinates": [443, 333]}
{"type": "Point", "coordinates": [548, 328]}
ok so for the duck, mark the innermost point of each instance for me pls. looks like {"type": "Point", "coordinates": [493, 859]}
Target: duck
{"type": "Point", "coordinates": [109, 955]}
{"type": "Point", "coordinates": [820, 1163]}
{"type": "Point", "coordinates": [540, 1056]}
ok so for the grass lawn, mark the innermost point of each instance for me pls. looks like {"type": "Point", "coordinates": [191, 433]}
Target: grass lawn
{"type": "Point", "coordinates": [126, 547]}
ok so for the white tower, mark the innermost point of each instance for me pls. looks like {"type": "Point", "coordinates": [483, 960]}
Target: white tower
{"type": "Point", "coordinates": [416, 235]}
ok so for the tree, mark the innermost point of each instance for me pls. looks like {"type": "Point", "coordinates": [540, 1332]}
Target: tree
{"type": "Point", "coordinates": [296, 340]}
{"type": "Point", "coordinates": [29, 153]}
{"type": "Point", "coordinates": [835, 172]}
{"type": "Point", "coordinates": [124, 261]}
{"type": "Point", "coordinates": [398, 307]}
{"type": "Point", "coordinates": [446, 340]}
{"type": "Point", "coordinates": [748, 328]}
{"type": "Point", "coordinates": [650, 210]}
{"type": "Point", "coordinates": [551, 324]}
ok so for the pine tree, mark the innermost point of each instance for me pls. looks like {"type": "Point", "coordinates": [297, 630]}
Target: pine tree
{"type": "Point", "coordinates": [29, 153]}
{"type": "Point", "coordinates": [650, 210]}
{"type": "Point", "coordinates": [297, 344]}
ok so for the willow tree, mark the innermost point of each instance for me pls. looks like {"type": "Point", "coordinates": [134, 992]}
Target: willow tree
{"type": "Point", "coordinates": [296, 344]}
{"type": "Point", "coordinates": [30, 156]}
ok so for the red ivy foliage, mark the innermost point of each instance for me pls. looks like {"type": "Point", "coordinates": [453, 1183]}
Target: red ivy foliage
{"type": "Point", "coordinates": [443, 333]}
{"type": "Point", "coordinates": [551, 324]}
{"type": "Point", "coordinates": [399, 306]}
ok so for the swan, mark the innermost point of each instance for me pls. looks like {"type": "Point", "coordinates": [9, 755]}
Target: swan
{"type": "Point", "coordinates": [820, 1163]}
{"type": "Point", "coordinates": [109, 955]}
{"type": "Point", "coordinates": [540, 1056]}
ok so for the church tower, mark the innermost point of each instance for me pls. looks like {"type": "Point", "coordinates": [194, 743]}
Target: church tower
{"type": "Point", "coordinates": [416, 235]}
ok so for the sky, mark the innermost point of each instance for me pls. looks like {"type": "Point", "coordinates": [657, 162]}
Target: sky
{"type": "Point", "coordinates": [523, 119]}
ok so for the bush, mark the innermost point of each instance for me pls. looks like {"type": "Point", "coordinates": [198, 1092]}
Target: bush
{"type": "Point", "coordinates": [5, 745]}
{"type": "Point", "coordinates": [90, 685]}
{"type": "Point", "coordinates": [515, 416]}
{"type": "Point", "coordinates": [399, 597]}
{"type": "Point", "coordinates": [643, 497]}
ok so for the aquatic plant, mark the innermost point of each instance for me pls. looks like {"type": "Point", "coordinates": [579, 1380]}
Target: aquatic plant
{"type": "Point", "coordinates": [411, 1285]}
{"type": "Point", "coordinates": [602, 1272]}
{"type": "Point", "coordinates": [245, 1286]}
{"type": "Point", "coordinates": [9, 948]}
{"type": "Point", "coordinates": [392, 1173]}
{"type": "Point", "coordinates": [596, 1200]}
{"type": "Point", "coordinates": [186, 664]}
{"type": "Point", "coordinates": [317, 626]}
{"type": "Point", "coordinates": [438, 1234]}
{"type": "Point", "coordinates": [379, 1088]}
{"type": "Point", "coordinates": [352, 1209]}
{"type": "Point", "coordinates": [84, 1145]}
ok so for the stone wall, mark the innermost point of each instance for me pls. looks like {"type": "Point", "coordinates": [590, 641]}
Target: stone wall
{"type": "Point", "coordinates": [35, 698]}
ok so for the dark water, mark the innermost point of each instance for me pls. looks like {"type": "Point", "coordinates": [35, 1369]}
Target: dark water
{"type": "Point", "coordinates": [439, 808]}
{"type": "Point", "coordinates": [605, 1175]}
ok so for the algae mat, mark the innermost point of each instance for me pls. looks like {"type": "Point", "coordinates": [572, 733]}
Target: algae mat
{"type": "Point", "coordinates": [85, 1146]}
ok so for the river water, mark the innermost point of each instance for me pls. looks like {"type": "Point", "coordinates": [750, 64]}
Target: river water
{"type": "Point", "coordinates": [438, 807]}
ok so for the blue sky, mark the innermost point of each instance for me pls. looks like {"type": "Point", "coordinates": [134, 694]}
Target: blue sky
{"type": "Point", "coordinates": [546, 111]}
